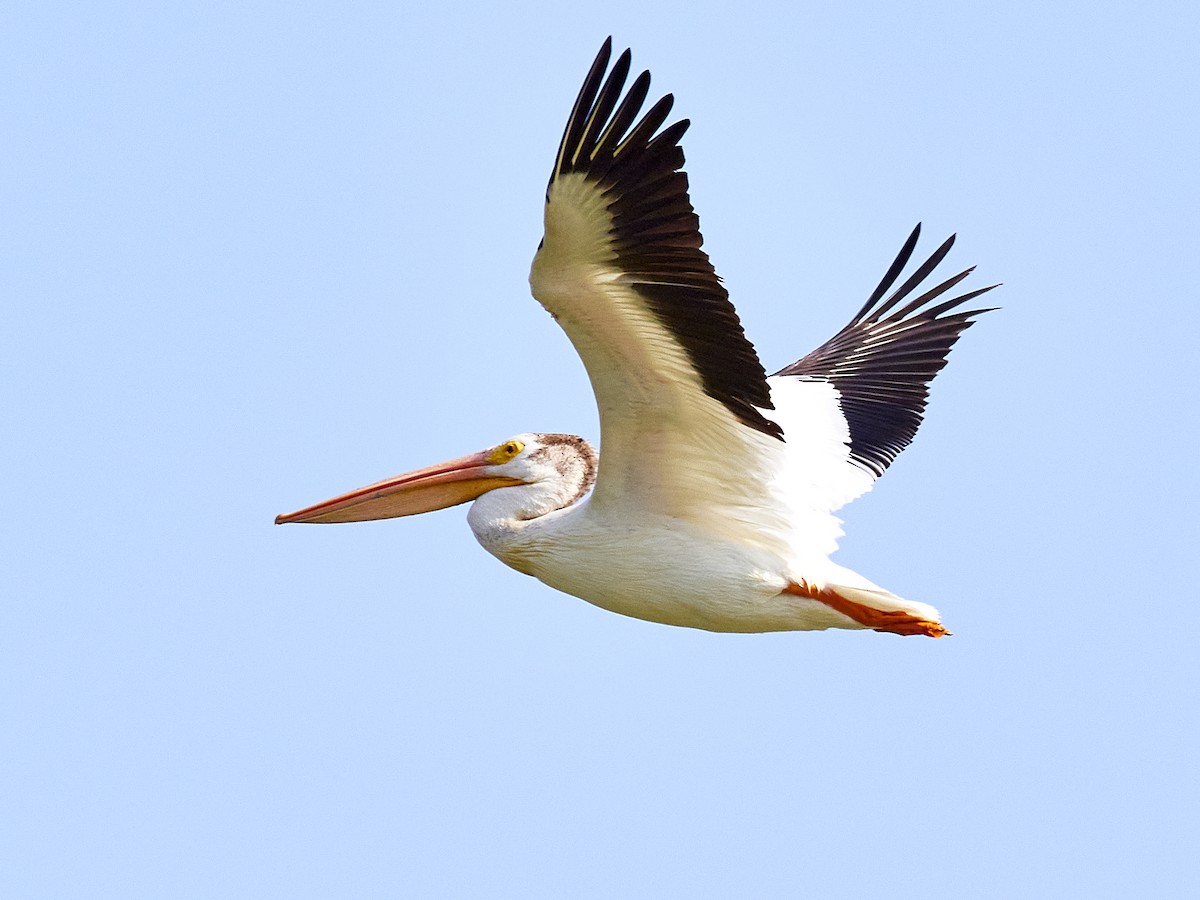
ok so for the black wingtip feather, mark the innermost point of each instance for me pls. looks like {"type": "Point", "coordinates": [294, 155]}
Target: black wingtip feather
{"type": "Point", "coordinates": [893, 271]}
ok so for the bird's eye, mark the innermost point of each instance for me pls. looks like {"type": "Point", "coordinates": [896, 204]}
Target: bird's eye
{"type": "Point", "coordinates": [506, 451]}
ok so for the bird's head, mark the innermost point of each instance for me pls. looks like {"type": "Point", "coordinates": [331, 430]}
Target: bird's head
{"type": "Point", "coordinates": [563, 461]}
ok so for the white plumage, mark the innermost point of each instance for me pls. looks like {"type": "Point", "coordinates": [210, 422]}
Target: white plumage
{"type": "Point", "coordinates": [713, 505]}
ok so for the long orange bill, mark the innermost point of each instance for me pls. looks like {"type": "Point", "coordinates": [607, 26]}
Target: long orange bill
{"type": "Point", "coordinates": [424, 490]}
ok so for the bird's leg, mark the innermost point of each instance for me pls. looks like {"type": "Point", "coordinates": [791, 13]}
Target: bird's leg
{"type": "Point", "coordinates": [895, 621]}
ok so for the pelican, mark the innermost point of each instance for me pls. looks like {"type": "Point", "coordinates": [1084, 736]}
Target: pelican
{"type": "Point", "coordinates": [712, 504]}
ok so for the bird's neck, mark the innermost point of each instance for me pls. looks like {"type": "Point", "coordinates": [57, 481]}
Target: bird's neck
{"type": "Point", "coordinates": [508, 522]}
{"type": "Point", "coordinates": [521, 503]}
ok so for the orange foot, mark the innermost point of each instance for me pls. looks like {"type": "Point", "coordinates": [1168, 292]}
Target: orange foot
{"type": "Point", "coordinates": [881, 620]}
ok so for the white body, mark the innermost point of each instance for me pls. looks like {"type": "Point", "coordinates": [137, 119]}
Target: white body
{"type": "Point", "coordinates": [670, 571]}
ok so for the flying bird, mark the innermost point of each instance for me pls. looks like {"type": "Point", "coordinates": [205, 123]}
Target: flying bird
{"type": "Point", "coordinates": [712, 502]}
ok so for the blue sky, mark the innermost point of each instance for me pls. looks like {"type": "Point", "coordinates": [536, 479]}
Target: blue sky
{"type": "Point", "coordinates": [256, 254]}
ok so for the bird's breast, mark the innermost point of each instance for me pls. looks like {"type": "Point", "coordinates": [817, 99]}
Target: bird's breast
{"type": "Point", "coordinates": [660, 569]}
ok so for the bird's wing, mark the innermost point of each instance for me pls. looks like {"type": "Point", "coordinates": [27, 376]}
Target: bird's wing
{"type": "Point", "coordinates": [869, 383]}
{"type": "Point", "coordinates": [690, 426]}
{"type": "Point", "coordinates": [685, 409]}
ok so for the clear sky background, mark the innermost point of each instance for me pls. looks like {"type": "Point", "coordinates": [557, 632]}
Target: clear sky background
{"type": "Point", "coordinates": [256, 254]}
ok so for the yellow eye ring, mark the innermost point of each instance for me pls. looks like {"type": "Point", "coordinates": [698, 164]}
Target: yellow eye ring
{"type": "Point", "coordinates": [506, 451]}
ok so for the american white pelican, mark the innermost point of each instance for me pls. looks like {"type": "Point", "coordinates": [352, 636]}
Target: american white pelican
{"type": "Point", "coordinates": [712, 503]}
